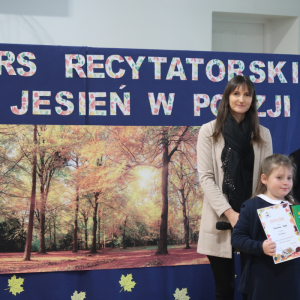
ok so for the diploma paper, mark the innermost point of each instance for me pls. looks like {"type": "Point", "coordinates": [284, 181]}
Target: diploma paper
{"type": "Point", "coordinates": [280, 227]}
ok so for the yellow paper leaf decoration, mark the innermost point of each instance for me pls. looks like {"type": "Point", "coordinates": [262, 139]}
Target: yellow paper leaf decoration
{"type": "Point", "coordinates": [126, 283]}
{"type": "Point", "coordinates": [80, 296]}
{"type": "Point", "coordinates": [181, 294]}
{"type": "Point", "coordinates": [15, 285]}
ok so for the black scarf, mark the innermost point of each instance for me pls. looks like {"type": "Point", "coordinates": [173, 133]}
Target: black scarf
{"type": "Point", "coordinates": [238, 160]}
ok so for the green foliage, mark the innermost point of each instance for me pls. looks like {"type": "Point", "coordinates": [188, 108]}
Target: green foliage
{"type": "Point", "coordinates": [35, 245]}
{"type": "Point", "coordinates": [12, 236]}
{"type": "Point", "coordinates": [66, 242]}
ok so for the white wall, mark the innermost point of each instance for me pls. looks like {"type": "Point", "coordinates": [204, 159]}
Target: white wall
{"type": "Point", "coordinates": [156, 24]}
{"type": "Point", "coordinates": [280, 35]}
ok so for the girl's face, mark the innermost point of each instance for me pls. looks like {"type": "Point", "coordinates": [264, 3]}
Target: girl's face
{"type": "Point", "coordinates": [279, 183]}
{"type": "Point", "coordinates": [240, 101]}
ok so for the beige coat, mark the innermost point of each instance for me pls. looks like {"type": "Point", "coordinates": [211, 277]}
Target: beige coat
{"type": "Point", "coordinates": [212, 241]}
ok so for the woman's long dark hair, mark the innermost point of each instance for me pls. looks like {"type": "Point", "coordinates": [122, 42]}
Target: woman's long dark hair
{"type": "Point", "coordinates": [224, 107]}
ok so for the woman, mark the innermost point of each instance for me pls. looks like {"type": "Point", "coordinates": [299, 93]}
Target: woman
{"type": "Point", "coordinates": [230, 150]}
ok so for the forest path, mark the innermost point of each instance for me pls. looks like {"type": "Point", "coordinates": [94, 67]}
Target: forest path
{"type": "Point", "coordinates": [135, 257]}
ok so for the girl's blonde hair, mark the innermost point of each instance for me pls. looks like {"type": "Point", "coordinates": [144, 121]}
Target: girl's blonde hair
{"type": "Point", "coordinates": [270, 164]}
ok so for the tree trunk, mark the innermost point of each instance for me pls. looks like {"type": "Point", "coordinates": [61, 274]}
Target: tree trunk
{"type": "Point", "coordinates": [104, 241]}
{"type": "Point", "coordinates": [50, 242]}
{"type": "Point", "coordinates": [112, 239]}
{"type": "Point", "coordinates": [42, 246]}
{"type": "Point", "coordinates": [75, 231]}
{"type": "Point", "coordinates": [27, 252]}
{"type": "Point", "coordinates": [21, 236]}
{"type": "Point", "coordinates": [124, 246]}
{"type": "Point", "coordinates": [99, 231]}
{"type": "Point", "coordinates": [75, 234]}
{"type": "Point", "coordinates": [94, 242]}
{"type": "Point", "coordinates": [186, 226]}
{"type": "Point", "coordinates": [85, 233]}
{"type": "Point", "coordinates": [163, 241]}
{"type": "Point", "coordinates": [54, 234]}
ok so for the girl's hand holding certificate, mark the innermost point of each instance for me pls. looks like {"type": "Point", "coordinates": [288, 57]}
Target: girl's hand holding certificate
{"type": "Point", "coordinates": [269, 248]}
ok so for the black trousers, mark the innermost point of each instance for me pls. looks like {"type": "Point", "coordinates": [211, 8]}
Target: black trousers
{"type": "Point", "coordinates": [224, 274]}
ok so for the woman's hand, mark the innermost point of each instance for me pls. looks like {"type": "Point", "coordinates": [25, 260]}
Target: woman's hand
{"type": "Point", "coordinates": [232, 216]}
{"type": "Point", "coordinates": [269, 247]}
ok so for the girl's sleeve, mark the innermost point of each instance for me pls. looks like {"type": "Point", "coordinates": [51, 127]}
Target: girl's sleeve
{"type": "Point", "coordinates": [241, 235]}
{"type": "Point", "coordinates": [212, 192]}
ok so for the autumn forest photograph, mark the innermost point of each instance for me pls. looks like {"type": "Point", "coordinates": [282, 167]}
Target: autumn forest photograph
{"type": "Point", "coordinates": [98, 197]}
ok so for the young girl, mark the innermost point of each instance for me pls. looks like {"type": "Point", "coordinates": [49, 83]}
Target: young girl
{"type": "Point", "coordinates": [261, 278]}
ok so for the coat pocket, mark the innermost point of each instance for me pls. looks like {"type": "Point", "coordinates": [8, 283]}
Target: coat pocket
{"type": "Point", "coordinates": [210, 219]}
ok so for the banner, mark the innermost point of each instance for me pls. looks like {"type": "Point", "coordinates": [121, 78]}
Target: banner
{"type": "Point", "coordinates": [113, 133]}
{"type": "Point", "coordinates": [95, 86]}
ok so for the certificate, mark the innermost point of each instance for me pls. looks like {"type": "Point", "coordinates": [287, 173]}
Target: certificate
{"type": "Point", "coordinates": [280, 227]}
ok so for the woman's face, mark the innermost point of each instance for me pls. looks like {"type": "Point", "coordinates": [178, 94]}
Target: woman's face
{"type": "Point", "coordinates": [240, 101]}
